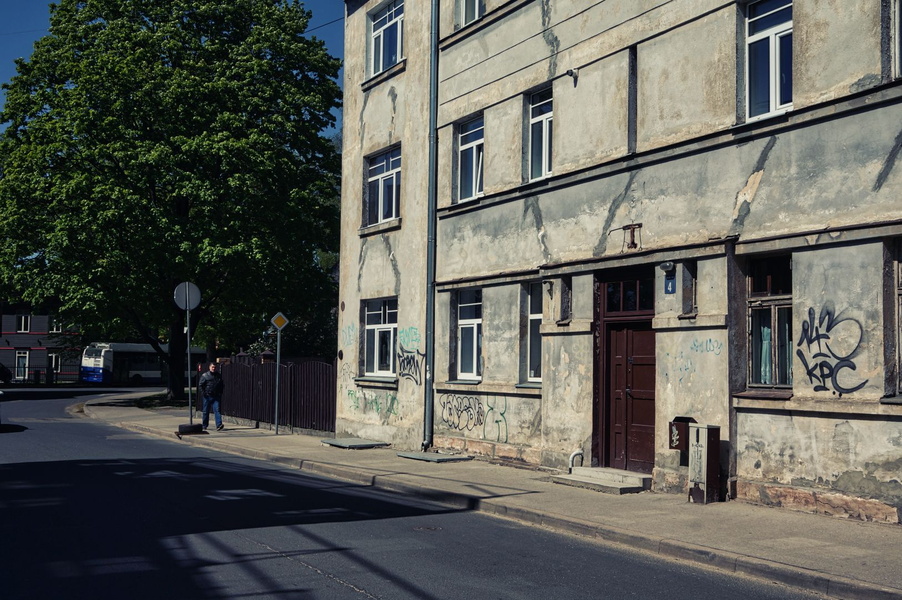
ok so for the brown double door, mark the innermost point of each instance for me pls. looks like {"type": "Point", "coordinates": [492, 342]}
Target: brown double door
{"type": "Point", "coordinates": [628, 417]}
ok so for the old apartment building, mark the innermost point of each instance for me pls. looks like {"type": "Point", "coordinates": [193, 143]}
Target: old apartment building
{"type": "Point", "coordinates": [568, 224]}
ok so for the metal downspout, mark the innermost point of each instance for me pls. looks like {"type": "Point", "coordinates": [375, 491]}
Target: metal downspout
{"type": "Point", "coordinates": [432, 199]}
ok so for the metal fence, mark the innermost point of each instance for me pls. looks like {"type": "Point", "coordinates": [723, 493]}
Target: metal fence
{"type": "Point", "coordinates": [306, 392]}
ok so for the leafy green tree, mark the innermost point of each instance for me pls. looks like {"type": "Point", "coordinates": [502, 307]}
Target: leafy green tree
{"type": "Point", "coordinates": [151, 142]}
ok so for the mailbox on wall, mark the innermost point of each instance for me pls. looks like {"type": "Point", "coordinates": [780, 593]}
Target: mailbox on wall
{"type": "Point", "coordinates": [678, 433]}
{"type": "Point", "coordinates": [704, 463]}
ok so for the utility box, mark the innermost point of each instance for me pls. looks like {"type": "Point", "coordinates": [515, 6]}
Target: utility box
{"type": "Point", "coordinates": [704, 463]}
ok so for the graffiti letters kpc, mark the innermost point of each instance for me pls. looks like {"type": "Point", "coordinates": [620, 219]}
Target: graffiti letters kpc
{"type": "Point", "coordinates": [826, 347]}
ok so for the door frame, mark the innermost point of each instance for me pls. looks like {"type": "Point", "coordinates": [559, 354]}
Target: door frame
{"type": "Point", "coordinates": [604, 320]}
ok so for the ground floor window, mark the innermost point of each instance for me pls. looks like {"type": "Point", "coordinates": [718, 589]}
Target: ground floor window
{"type": "Point", "coordinates": [381, 325]}
{"type": "Point", "coordinates": [770, 321]}
{"type": "Point", "coordinates": [469, 334]}
{"type": "Point", "coordinates": [21, 365]}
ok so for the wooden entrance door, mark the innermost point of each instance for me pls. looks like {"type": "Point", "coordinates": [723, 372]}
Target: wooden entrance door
{"type": "Point", "coordinates": [630, 418]}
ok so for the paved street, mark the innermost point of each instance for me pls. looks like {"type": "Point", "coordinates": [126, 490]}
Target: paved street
{"type": "Point", "coordinates": [94, 511]}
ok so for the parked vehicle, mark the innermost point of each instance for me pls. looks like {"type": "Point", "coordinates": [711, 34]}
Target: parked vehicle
{"type": "Point", "coordinates": [124, 363]}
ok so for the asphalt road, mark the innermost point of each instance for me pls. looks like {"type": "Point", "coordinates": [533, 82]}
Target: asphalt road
{"type": "Point", "coordinates": [92, 511]}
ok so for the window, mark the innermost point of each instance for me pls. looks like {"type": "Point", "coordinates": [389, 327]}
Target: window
{"type": "Point", "coordinates": [470, 10]}
{"type": "Point", "coordinates": [21, 365]}
{"type": "Point", "coordinates": [469, 334]}
{"type": "Point", "coordinates": [770, 321]}
{"type": "Point", "coordinates": [470, 145]}
{"type": "Point", "coordinates": [540, 134]}
{"type": "Point", "coordinates": [23, 323]}
{"type": "Point", "coordinates": [55, 325]}
{"type": "Point", "coordinates": [54, 362]}
{"type": "Point", "coordinates": [534, 335]}
{"type": "Point", "coordinates": [381, 317]}
{"type": "Point", "coordinates": [388, 36]}
{"type": "Point", "coordinates": [384, 187]}
{"type": "Point", "coordinates": [769, 57]}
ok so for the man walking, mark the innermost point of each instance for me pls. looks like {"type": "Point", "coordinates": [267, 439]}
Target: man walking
{"type": "Point", "coordinates": [211, 387]}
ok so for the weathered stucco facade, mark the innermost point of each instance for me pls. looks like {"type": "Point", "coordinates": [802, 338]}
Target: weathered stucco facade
{"type": "Point", "coordinates": [675, 257]}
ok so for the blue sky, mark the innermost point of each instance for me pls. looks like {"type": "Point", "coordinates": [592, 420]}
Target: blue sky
{"type": "Point", "coordinates": [22, 22]}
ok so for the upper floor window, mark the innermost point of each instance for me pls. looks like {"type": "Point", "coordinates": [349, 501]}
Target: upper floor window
{"type": "Point", "coordinates": [55, 325]}
{"type": "Point", "coordinates": [469, 334]}
{"type": "Point", "coordinates": [23, 323]}
{"type": "Point", "coordinates": [470, 149]}
{"type": "Point", "coordinates": [383, 187]}
{"type": "Point", "coordinates": [770, 321]}
{"type": "Point", "coordinates": [388, 36]}
{"type": "Point", "coordinates": [769, 57]}
{"type": "Point", "coordinates": [534, 335]}
{"type": "Point", "coordinates": [381, 323]}
{"type": "Point", "coordinates": [540, 134]}
{"type": "Point", "coordinates": [470, 10]}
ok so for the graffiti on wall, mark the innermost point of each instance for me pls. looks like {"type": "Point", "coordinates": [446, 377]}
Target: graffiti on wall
{"type": "Point", "coordinates": [382, 403]}
{"type": "Point", "coordinates": [409, 337]}
{"type": "Point", "coordinates": [410, 364]}
{"type": "Point", "coordinates": [462, 412]}
{"type": "Point", "coordinates": [349, 335]}
{"type": "Point", "coordinates": [826, 347]}
{"type": "Point", "coordinates": [495, 427]}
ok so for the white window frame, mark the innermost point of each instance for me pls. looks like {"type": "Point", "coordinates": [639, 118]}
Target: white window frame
{"type": "Point", "coordinates": [469, 324]}
{"type": "Point", "coordinates": [541, 129]}
{"type": "Point", "coordinates": [534, 330]}
{"type": "Point", "coordinates": [388, 18]}
{"type": "Point", "coordinates": [380, 323]}
{"type": "Point", "coordinates": [470, 10]}
{"type": "Point", "coordinates": [21, 368]}
{"type": "Point", "coordinates": [54, 362]}
{"type": "Point", "coordinates": [772, 36]}
{"type": "Point", "coordinates": [55, 325]}
{"type": "Point", "coordinates": [470, 153]}
{"type": "Point", "coordinates": [23, 323]}
{"type": "Point", "coordinates": [384, 173]}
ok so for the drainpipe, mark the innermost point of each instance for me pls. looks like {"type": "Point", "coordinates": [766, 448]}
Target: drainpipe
{"type": "Point", "coordinates": [432, 200]}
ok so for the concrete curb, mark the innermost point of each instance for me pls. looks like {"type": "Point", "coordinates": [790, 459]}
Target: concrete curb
{"type": "Point", "coordinates": [723, 560]}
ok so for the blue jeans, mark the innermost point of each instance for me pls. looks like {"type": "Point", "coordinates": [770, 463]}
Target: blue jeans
{"type": "Point", "coordinates": [211, 402]}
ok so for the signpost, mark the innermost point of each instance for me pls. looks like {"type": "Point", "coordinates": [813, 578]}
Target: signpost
{"type": "Point", "coordinates": [187, 297]}
{"type": "Point", "coordinates": [279, 322]}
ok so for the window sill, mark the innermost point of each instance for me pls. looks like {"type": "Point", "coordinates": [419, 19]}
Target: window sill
{"type": "Point", "coordinates": [529, 385]}
{"type": "Point", "coordinates": [764, 394]}
{"type": "Point", "coordinates": [372, 381]}
{"type": "Point", "coordinates": [384, 226]}
{"type": "Point", "coordinates": [385, 75]}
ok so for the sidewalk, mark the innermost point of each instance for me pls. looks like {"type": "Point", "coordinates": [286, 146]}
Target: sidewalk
{"type": "Point", "coordinates": [835, 557]}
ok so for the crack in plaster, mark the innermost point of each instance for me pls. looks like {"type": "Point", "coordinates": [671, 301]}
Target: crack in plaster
{"type": "Point", "coordinates": [889, 163]}
{"type": "Point", "coordinates": [394, 264]}
{"type": "Point", "coordinates": [361, 260]}
{"type": "Point", "coordinates": [602, 244]}
{"type": "Point", "coordinates": [532, 205]}
{"type": "Point", "coordinates": [550, 38]}
{"type": "Point", "coordinates": [744, 198]}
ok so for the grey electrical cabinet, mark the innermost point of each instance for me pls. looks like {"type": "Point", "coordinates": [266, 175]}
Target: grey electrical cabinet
{"type": "Point", "coordinates": [704, 463]}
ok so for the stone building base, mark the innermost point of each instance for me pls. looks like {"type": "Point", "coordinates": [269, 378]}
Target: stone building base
{"type": "Point", "coordinates": [817, 501]}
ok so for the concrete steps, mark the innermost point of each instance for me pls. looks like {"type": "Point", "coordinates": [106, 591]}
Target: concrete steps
{"type": "Point", "coordinates": [607, 481]}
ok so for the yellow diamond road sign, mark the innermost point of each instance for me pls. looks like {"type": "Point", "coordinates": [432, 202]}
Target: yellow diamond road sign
{"type": "Point", "coordinates": [279, 321]}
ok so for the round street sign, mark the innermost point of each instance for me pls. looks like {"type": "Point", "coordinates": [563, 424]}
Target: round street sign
{"type": "Point", "coordinates": [186, 296]}
{"type": "Point", "coordinates": [279, 321]}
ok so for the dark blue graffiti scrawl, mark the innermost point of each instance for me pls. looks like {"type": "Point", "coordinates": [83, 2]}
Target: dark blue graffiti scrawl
{"type": "Point", "coordinates": [826, 348]}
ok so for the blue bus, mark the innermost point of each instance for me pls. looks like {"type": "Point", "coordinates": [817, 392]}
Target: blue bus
{"type": "Point", "coordinates": [123, 363]}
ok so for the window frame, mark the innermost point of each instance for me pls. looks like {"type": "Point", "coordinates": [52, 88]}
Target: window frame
{"type": "Point", "coordinates": [537, 101]}
{"type": "Point", "coordinates": [23, 323]}
{"type": "Point", "coordinates": [533, 292]}
{"type": "Point", "coordinates": [478, 11]}
{"type": "Point", "coordinates": [476, 160]}
{"type": "Point", "coordinates": [393, 13]}
{"type": "Point", "coordinates": [21, 371]}
{"type": "Point", "coordinates": [474, 323]}
{"type": "Point", "coordinates": [773, 35]}
{"type": "Point", "coordinates": [387, 311]}
{"type": "Point", "coordinates": [375, 209]}
{"type": "Point", "coordinates": [771, 295]}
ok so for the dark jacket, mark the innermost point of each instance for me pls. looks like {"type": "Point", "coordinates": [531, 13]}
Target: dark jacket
{"type": "Point", "coordinates": [211, 384]}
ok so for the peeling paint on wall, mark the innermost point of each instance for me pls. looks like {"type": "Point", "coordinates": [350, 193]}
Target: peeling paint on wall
{"type": "Point", "coordinates": [602, 244]}
{"type": "Point", "coordinates": [531, 205]}
{"type": "Point", "coordinates": [746, 195]}
{"type": "Point", "coordinates": [550, 38]}
{"type": "Point", "coordinates": [889, 163]}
